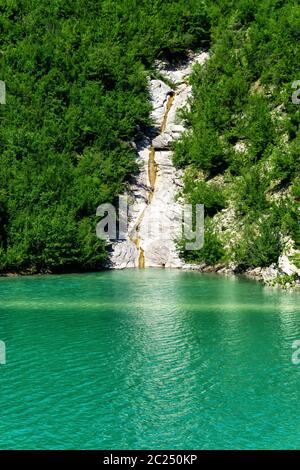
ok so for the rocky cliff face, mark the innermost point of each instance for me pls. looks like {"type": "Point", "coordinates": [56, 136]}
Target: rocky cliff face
{"type": "Point", "coordinates": [155, 216]}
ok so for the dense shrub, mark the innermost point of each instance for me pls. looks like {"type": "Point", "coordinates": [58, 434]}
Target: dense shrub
{"type": "Point", "coordinates": [75, 73]}
{"type": "Point", "coordinates": [200, 192]}
{"type": "Point", "coordinates": [76, 82]}
{"type": "Point", "coordinates": [243, 125]}
{"type": "Point", "coordinates": [260, 245]}
{"type": "Point", "coordinates": [212, 251]}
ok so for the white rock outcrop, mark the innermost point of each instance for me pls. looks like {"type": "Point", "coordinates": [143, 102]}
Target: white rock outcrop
{"type": "Point", "coordinates": [154, 221]}
{"type": "Point", "coordinates": [287, 266]}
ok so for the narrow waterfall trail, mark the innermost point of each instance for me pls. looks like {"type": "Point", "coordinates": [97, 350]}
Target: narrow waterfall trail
{"type": "Point", "coordinates": [168, 107]}
{"type": "Point", "coordinates": [154, 221]}
{"type": "Point", "coordinates": [152, 173]}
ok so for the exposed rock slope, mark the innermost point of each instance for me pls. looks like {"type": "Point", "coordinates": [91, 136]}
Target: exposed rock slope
{"type": "Point", "coordinates": [155, 217]}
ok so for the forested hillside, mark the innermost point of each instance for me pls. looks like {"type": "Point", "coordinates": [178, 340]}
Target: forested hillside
{"type": "Point", "coordinates": [76, 78]}
{"type": "Point", "coordinates": [75, 74]}
{"type": "Point", "coordinates": [242, 150]}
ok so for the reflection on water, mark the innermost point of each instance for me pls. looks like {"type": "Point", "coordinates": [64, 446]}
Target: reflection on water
{"type": "Point", "coordinates": [148, 359]}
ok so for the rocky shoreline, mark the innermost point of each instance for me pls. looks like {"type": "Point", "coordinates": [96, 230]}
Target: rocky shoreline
{"type": "Point", "coordinates": [272, 276]}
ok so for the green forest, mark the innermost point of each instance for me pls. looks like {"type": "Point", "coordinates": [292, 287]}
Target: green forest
{"type": "Point", "coordinates": [242, 149]}
{"type": "Point", "coordinates": [76, 82]}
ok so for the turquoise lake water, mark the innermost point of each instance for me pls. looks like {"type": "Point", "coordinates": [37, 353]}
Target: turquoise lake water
{"type": "Point", "coordinates": [151, 359]}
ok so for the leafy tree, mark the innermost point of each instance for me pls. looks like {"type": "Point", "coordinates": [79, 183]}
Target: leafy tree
{"type": "Point", "coordinates": [76, 76]}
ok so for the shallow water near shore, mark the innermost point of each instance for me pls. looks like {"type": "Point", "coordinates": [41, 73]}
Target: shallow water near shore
{"type": "Point", "coordinates": [148, 359]}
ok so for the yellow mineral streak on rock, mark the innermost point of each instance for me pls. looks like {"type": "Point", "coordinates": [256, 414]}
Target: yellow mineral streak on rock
{"type": "Point", "coordinates": [168, 107]}
{"type": "Point", "coordinates": [152, 174]}
{"type": "Point", "coordinates": [141, 258]}
{"type": "Point", "coordinates": [152, 169]}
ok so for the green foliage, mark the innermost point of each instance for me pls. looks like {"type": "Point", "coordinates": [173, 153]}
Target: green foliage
{"type": "Point", "coordinates": [203, 148]}
{"type": "Point", "coordinates": [212, 251]}
{"type": "Point", "coordinates": [259, 245]}
{"type": "Point", "coordinates": [243, 125]}
{"type": "Point", "coordinates": [250, 190]}
{"type": "Point", "coordinates": [76, 77]}
{"type": "Point", "coordinates": [200, 192]}
{"type": "Point", "coordinates": [290, 215]}
{"type": "Point", "coordinates": [285, 281]}
{"type": "Point", "coordinates": [286, 163]}
{"type": "Point", "coordinates": [258, 129]}
{"type": "Point", "coordinates": [75, 73]}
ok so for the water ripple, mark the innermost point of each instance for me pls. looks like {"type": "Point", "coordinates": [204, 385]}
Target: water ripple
{"type": "Point", "coordinates": [147, 359]}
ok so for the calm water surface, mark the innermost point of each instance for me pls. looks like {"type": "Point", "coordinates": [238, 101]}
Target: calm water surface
{"type": "Point", "coordinates": [152, 359]}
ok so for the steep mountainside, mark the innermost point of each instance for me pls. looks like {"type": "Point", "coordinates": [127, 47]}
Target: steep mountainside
{"type": "Point", "coordinates": [241, 152]}
{"type": "Point", "coordinates": [76, 75]}
{"type": "Point", "coordinates": [155, 216]}
{"type": "Point", "coordinates": [76, 80]}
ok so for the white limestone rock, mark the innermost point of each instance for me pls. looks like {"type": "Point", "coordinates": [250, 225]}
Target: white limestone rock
{"type": "Point", "coordinates": [287, 266]}
{"type": "Point", "coordinates": [162, 141]}
{"type": "Point", "coordinates": [155, 219]}
{"type": "Point", "coordinates": [124, 255]}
